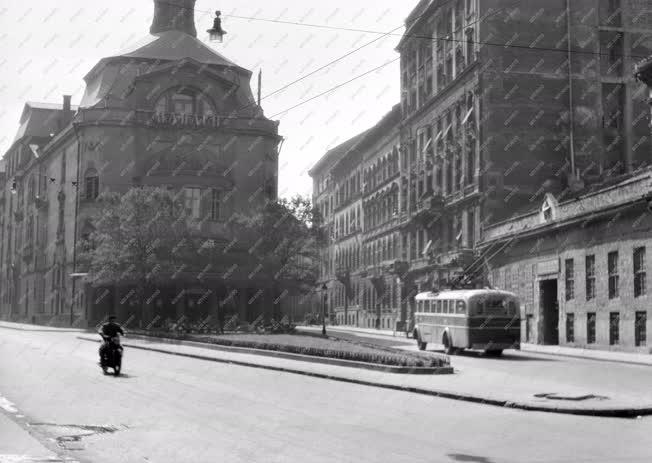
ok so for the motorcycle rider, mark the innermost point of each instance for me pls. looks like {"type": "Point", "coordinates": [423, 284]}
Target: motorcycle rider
{"type": "Point", "coordinates": [108, 331]}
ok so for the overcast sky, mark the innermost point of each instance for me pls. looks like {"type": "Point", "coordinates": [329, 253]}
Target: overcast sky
{"type": "Point", "coordinates": [47, 48]}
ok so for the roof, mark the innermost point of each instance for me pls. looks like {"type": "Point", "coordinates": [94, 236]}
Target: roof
{"type": "Point", "coordinates": [417, 16]}
{"type": "Point", "coordinates": [359, 141]}
{"type": "Point", "coordinates": [170, 46]}
{"type": "Point", "coordinates": [335, 154]}
{"type": "Point", "coordinates": [628, 191]}
{"type": "Point", "coordinates": [40, 119]}
{"type": "Point", "coordinates": [41, 105]}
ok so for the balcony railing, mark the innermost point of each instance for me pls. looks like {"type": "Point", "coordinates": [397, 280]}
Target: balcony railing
{"type": "Point", "coordinates": [430, 203]}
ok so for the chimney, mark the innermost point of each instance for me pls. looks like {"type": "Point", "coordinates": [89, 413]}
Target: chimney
{"type": "Point", "coordinates": [174, 15]}
{"type": "Point", "coordinates": [66, 115]}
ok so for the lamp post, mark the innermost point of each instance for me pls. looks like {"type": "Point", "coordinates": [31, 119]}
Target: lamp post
{"type": "Point", "coordinates": [324, 288]}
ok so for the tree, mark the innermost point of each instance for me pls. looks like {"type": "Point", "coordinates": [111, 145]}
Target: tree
{"type": "Point", "coordinates": [140, 239]}
{"type": "Point", "coordinates": [285, 237]}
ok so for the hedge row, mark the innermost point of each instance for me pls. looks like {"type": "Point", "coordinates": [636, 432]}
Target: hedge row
{"type": "Point", "coordinates": [381, 357]}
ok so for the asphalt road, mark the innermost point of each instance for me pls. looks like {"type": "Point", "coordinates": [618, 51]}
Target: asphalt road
{"type": "Point", "coordinates": [175, 409]}
{"type": "Point", "coordinates": [602, 377]}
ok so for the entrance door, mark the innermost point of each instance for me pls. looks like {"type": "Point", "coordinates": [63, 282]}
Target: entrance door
{"type": "Point", "coordinates": [550, 311]}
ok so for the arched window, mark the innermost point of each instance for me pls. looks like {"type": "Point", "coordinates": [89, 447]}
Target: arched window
{"type": "Point", "coordinates": [91, 184]}
{"type": "Point", "coordinates": [184, 101]}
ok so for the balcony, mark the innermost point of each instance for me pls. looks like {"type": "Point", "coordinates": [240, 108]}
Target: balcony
{"type": "Point", "coordinates": [460, 258]}
{"type": "Point", "coordinates": [429, 206]}
{"type": "Point", "coordinates": [343, 274]}
{"type": "Point", "coordinates": [41, 203]}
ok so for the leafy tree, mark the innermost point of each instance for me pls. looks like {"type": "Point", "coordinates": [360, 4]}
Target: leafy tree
{"type": "Point", "coordinates": [285, 237]}
{"type": "Point", "coordinates": [140, 240]}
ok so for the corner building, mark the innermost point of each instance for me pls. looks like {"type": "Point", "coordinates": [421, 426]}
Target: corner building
{"type": "Point", "coordinates": [170, 112]}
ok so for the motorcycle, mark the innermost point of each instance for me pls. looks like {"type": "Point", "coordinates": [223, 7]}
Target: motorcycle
{"type": "Point", "coordinates": [111, 355]}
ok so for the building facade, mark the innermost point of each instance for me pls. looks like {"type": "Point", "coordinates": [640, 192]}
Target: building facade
{"type": "Point", "coordinates": [171, 112]}
{"type": "Point", "coordinates": [500, 105]}
{"type": "Point", "coordinates": [580, 266]}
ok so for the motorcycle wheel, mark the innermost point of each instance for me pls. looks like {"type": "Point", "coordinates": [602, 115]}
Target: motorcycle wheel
{"type": "Point", "coordinates": [117, 367]}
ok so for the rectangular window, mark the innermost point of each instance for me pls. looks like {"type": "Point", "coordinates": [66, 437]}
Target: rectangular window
{"type": "Point", "coordinates": [569, 267]}
{"type": "Point", "coordinates": [215, 204]}
{"type": "Point", "coordinates": [640, 329]}
{"type": "Point", "coordinates": [470, 228]}
{"type": "Point", "coordinates": [639, 272]}
{"type": "Point", "coordinates": [590, 328]}
{"type": "Point", "coordinates": [611, 53]}
{"type": "Point", "coordinates": [614, 328]}
{"type": "Point", "coordinates": [610, 13]}
{"type": "Point", "coordinates": [590, 277]}
{"type": "Point", "coordinates": [612, 267]}
{"type": "Point", "coordinates": [570, 327]}
{"type": "Point", "coordinates": [192, 197]}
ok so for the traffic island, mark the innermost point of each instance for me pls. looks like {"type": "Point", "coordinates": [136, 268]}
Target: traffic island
{"type": "Point", "coordinates": [308, 348]}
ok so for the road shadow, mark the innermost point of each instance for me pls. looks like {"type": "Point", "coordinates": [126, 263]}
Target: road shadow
{"type": "Point", "coordinates": [469, 458]}
{"type": "Point", "coordinates": [121, 376]}
{"type": "Point", "coordinates": [505, 357]}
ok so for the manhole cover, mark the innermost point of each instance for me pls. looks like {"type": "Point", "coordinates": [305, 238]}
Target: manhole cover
{"type": "Point", "coordinates": [577, 398]}
{"type": "Point", "coordinates": [68, 436]}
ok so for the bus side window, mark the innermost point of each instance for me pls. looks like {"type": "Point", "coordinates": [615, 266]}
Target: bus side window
{"type": "Point", "coordinates": [460, 307]}
{"type": "Point", "coordinates": [427, 304]}
{"type": "Point", "coordinates": [419, 308]}
{"type": "Point", "coordinates": [445, 307]}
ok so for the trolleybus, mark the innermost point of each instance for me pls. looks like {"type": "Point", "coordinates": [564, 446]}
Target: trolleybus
{"type": "Point", "coordinates": [485, 319]}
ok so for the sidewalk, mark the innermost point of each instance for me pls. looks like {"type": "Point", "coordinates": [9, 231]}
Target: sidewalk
{"type": "Point", "coordinates": [474, 385]}
{"type": "Point", "coordinates": [634, 358]}
{"type": "Point", "coordinates": [18, 446]}
{"type": "Point", "coordinates": [593, 354]}
{"type": "Point", "coordinates": [26, 327]}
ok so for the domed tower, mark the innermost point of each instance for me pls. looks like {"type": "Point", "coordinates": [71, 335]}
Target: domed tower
{"type": "Point", "coordinates": [172, 111]}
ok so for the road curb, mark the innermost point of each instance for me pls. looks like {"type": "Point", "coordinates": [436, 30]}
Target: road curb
{"type": "Point", "coordinates": [605, 413]}
{"type": "Point", "coordinates": [292, 356]}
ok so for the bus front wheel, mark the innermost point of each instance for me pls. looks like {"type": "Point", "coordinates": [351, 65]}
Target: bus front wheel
{"type": "Point", "coordinates": [448, 346]}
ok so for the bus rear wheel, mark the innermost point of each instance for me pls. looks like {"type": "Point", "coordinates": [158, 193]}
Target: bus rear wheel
{"type": "Point", "coordinates": [420, 344]}
{"type": "Point", "coordinates": [448, 346]}
{"type": "Point", "coordinates": [494, 352]}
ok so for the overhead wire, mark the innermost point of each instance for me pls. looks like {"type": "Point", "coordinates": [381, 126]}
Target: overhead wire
{"type": "Point", "coordinates": [416, 36]}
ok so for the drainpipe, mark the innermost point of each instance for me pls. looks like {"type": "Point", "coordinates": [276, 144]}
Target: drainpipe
{"type": "Point", "coordinates": [571, 117]}
{"type": "Point", "coordinates": [74, 239]}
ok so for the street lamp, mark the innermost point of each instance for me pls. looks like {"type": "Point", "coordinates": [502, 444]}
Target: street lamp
{"type": "Point", "coordinates": [324, 288]}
